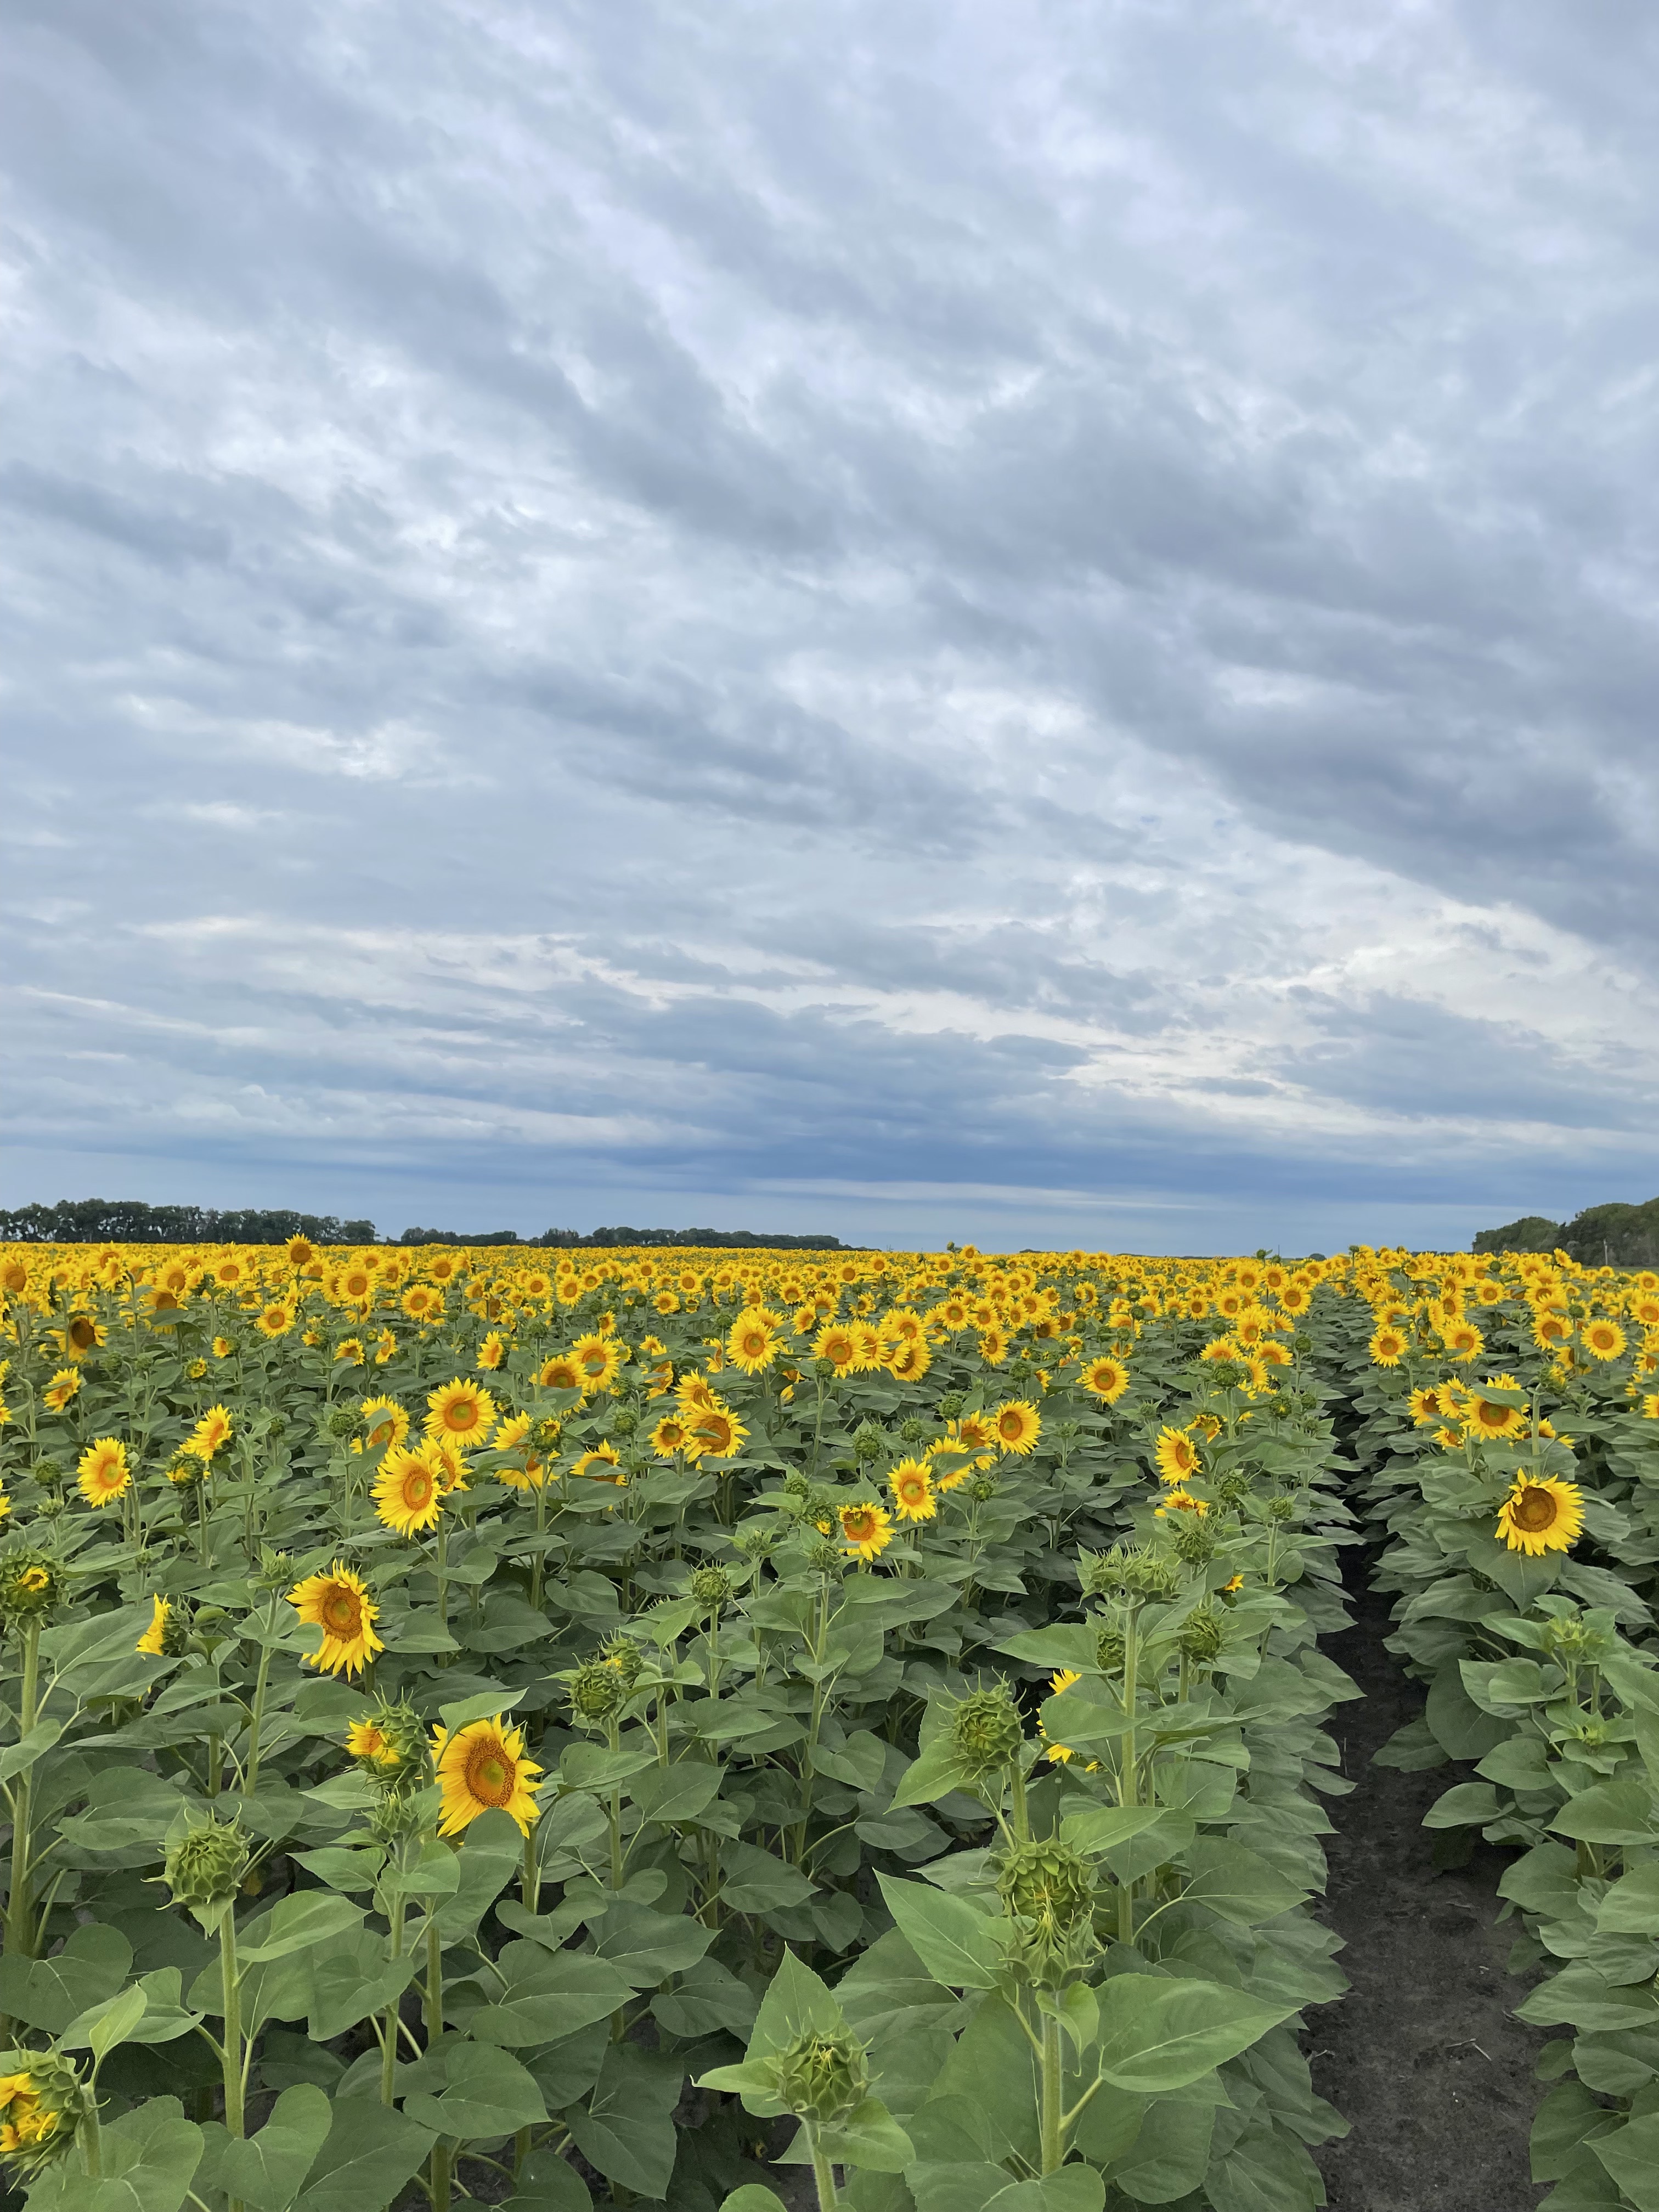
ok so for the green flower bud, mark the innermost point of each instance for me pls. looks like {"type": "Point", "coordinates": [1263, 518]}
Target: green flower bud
{"type": "Point", "coordinates": [1281, 1509]}
{"type": "Point", "coordinates": [49, 1474]}
{"type": "Point", "coordinates": [868, 1442]}
{"type": "Point", "coordinates": [1200, 1636]}
{"type": "Point", "coordinates": [825, 1370]}
{"type": "Point", "coordinates": [275, 1569]}
{"type": "Point", "coordinates": [1232, 1489]}
{"type": "Point", "coordinates": [987, 1731]}
{"type": "Point", "coordinates": [913, 1431]}
{"type": "Point", "coordinates": [624, 1423]}
{"type": "Point", "coordinates": [1194, 1541]}
{"type": "Point", "coordinates": [41, 2107]}
{"type": "Point", "coordinates": [31, 1584]}
{"type": "Point", "coordinates": [597, 1691]}
{"type": "Point", "coordinates": [757, 1542]}
{"type": "Point", "coordinates": [1048, 1890]}
{"type": "Point", "coordinates": [276, 1427]}
{"type": "Point", "coordinates": [204, 1868]}
{"type": "Point", "coordinates": [795, 1484]}
{"type": "Point", "coordinates": [52, 1508]}
{"type": "Point", "coordinates": [983, 1489]}
{"type": "Point", "coordinates": [827, 1558]}
{"type": "Point", "coordinates": [951, 1404]}
{"type": "Point", "coordinates": [341, 1422]}
{"type": "Point", "coordinates": [711, 1586]}
{"type": "Point", "coordinates": [1110, 1650]}
{"type": "Point", "coordinates": [621, 1652]}
{"type": "Point", "coordinates": [824, 2078]}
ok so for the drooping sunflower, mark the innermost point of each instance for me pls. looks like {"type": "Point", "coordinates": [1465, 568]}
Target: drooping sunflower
{"type": "Point", "coordinates": [1177, 1455]}
{"type": "Point", "coordinates": [462, 1410]}
{"type": "Point", "coordinates": [408, 1494]}
{"type": "Point", "coordinates": [339, 1604]}
{"type": "Point", "coordinates": [911, 1484]}
{"type": "Point", "coordinates": [1017, 1426]}
{"type": "Point", "coordinates": [1541, 1514]}
{"type": "Point", "coordinates": [866, 1530]}
{"type": "Point", "coordinates": [1106, 1379]}
{"type": "Point", "coordinates": [1602, 1339]}
{"type": "Point", "coordinates": [492, 1351]}
{"type": "Point", "coordinates": [350, 1348]}
{"type": "Point", "coordinates": [101, 1472]}
{"type": "Point", "coordinates": [482, 1768]}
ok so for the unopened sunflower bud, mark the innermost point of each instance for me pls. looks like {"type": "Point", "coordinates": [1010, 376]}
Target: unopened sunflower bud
{"type": "Point", "coordinates": [275, 1569]}
{"type": "Point", "coordinates": [824, 2078]}
{"type": "Point", "coordinates": [1193, 1542]}
{"type": "Point", "coordinates": [49, 1474]}
{"type": "Point", "coordinates": [1281, 1509]}
{"type": "Point", "coordinates": [205, 1867]}
{"type": "Point", "coordinates": [826, 1559]}
{"type": "Point", "coordinates": [912, 1430]}
{"type": "Point", "coordinates": [1110, 1650]}
{"type": "Point", "coordinates": [341, 1422]}
{"type": "Point", "coordinates": [825, 1370]}
{"type": "Point", "coordinates": [1200, 1636]}
{"type": "Point", "coordinates": [868, 1443]}
{"type": "Point", "coordinates": [1232, 1489]}
{"type": "Point", "coordinates": [983, 1489]}
{"type": "Point", "coordinates": [711, 1586]}
{"type": "Point", "coordinates": [597, 1692]}
{"type": "Point", "coordinates": [1048, 1889]}
{"type": "Point", "coordinates": [951, 1404]}
{"type": "Point", "coordinates": [31, 1583]}
{"type": "Point", "coordinates": [621, 1652]}
{"type": "Point", "coordinates": [986, 1731]}
{"type": "Point", "coordinates": [623, 1422]}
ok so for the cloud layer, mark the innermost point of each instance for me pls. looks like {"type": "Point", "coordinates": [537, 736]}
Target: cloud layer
{"type": "Point", "coordinates": [952, 620]}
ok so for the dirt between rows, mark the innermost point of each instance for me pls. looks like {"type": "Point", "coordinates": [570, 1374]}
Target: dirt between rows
{"type": "Point", "coordinates": [1423, 2056]}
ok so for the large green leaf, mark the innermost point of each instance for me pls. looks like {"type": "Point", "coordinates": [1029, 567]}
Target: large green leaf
{"type": "Point", "coordinates": [296, 1922]}
{"type": "Point", "coordinates": [549, 1994]}
{"type": "Point", "coordinates": [647, 1946]}
{"type": "Point", "coordinates": [268, 2169]}
{"type": "Point", "coordinates": [1609, 1812]}
{"type": "Point", "coordinates": [1631, 2155]}
{"type": "Point", "coordinates": [370, 2152]}
{"type": "Point", "coordinates": [956, 1944]}
{"type": "Point", "coordinates": [486, 2094]}
{"type": "Point", "coordinates": [627, 2130]}
{"type": "Point", "coordinates": [1157, 2035]}
{"type": "Point", "coordinates": [50, 1993]}
{"type": "Point", "coordinates": [1239, 1885]}
{"type": "Point", "coordinates": [547, 2182]}
{"type": "Point", "coordinates": [149, 2158]}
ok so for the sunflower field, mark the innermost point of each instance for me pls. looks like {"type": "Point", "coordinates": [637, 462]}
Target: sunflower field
{"type": "Point", "coordinates": [615, 1730]}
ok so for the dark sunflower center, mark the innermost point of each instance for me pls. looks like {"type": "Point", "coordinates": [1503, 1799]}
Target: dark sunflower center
{"type": "Point", "coordinates": [490, 1775]}
{"type": "Point", "coordinates": [1534, 1510]}
{"type": "Point", "coordinates": [342, 1614]}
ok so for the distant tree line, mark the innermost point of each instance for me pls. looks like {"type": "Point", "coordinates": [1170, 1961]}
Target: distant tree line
{"type": "Point", "coordinates": [1612, 1235]}
{"type": "Point", "coordinates": [130, 1221]}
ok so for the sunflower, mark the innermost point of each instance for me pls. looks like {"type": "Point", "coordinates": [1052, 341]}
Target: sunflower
{"type": "Point", "coordinates": [350, 1348]}
{"type": "Point", "coordinates": [670, 1436]}
{"type": "Point", "coordinates": [1650, 1405]}
{"type": "Point", "coordinates": [1179, 1501]}
{"type": "Point", "coordinates": [275, 1320]}
{"type": "Point", "coordinates": [908, 1360]}
{"type": "Point", "coordinates": [752, 1343]}
{"type": "Point", "coordinates": [422, 1303]}
{"type": "Point", "coordinates": [1388, 1346]}
{"type": "Point", "coordinates": [448, 1463]}
{"type": "Point", "coordinates": [716, 1430]}
{"type": "Point", "coordinates": [560, 1373]}
{"type": "Point", "coordinates": [299, 1251]}
{"type": "Point", "coordinates": [836, 1343]}
{"type": "Point", "coordinates": [224, 1346]}
{"type": "Point", "coordinates": [1425, 1405]}
{"type": "Point", "coordinates": [339, 1604]}
{"type": "Point", "coordinates": [1494, 1417]}
{"type": "Point", "coordinates": [993, 1346]}
{"type": "Point", "coordinates": [866, 1530]}
{"type": "Point", "coordinates": [384, 1424]}
{"type": "Point", "coordinates": [62, 1388]}
{"type": "Point", "coordinates": [1059, 1682]}
{"type": "Point", "coordinates": [1602, 1339]}
{"type": "Point", "coordinates": [154, 1641]}
{"type": "Point", "coordinates": [1017, 1426]}
{"type": "Point", "coordinates": [912, 1486]}
{"type": "Point", "coordinates": [1541, 1514]}
{"type": "Point", "coordinates": [460, 1409]}
{"type": "Point", "coordinates": [1177, 1455]}
{"type": "Point", "coordinates": [1106, 1379]}
{"type": "Point", "coordinates": [597, 1359]}
{"type": "Point", "coordinates": [101, 1472]}
{"type": "Point", "coordinates": [407, 1494]}
{"type": "Point", "coordinates": [385, 1347]}
{"type": "Point", "coordinates": [212, 1430]}
{"type": "Point", "coordinates": [482, 1768]}
{"type": "Point", "coordinates": [600, 1464]}
{"type": "Point", "coordinates": [1463, 1340]}
{"type": "Point", "coordinates": [492, 1351]}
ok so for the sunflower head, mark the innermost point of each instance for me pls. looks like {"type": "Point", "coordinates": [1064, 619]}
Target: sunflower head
{"type": "Point", "coordinates": [1048, 1890]}
{"type": "Point", "coordinates": [822, 2077]}
{"type": "Point", "coordinates": [986, 1731]}
{"type": "Point", "coordinates": [1541, 1514]}
{"type": "Point", "coordinates": [31, 1584]}
{"type": "Point", "coordinates": [483, 1768]}
{"type": "Point", "coordinates": [205, 1867]}
{"type": "Point", "coordinates": [42, 2106]}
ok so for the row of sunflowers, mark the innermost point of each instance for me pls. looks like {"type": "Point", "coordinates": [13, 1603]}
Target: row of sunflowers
{"type": "Point", "coordinates": [591, 1730]}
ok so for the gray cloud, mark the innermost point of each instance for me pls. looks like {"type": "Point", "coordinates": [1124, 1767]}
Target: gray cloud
{"type": "Point", "coordinates": [607, 602]}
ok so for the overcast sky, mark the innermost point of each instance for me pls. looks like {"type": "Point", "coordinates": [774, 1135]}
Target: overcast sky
{"type": "Point", "coordinates": [1027, 622]}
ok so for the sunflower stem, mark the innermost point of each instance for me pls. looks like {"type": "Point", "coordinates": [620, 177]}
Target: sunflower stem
{"type": "Point", "coordinates": [19, 1929]}
{"type": "Point", "coordinates": [394, 2012]}
{"type": "Point", "coordinates": [251, 1779]}
{"type": "Point", "coordinates": [230, 1983]}
{"type": "Point", "coordinates": [1054, 2134]}
{"type": "Point", "coordinates": [823, 2172]}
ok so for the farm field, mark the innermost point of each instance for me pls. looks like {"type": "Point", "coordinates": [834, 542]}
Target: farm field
{"type": "Point", "coordinates": [673, 1726]}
